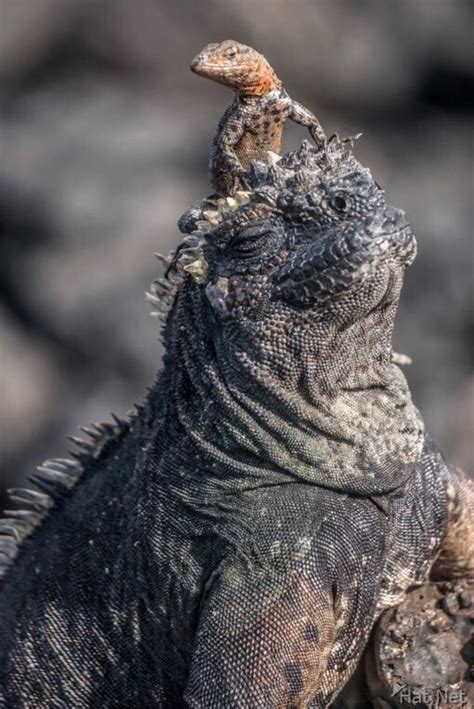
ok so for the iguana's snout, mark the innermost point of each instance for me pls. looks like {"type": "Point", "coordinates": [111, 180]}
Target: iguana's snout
{"type": "Point", "coordinates": [390, 221]}
{"type": "Point", "coordinates": [390, 226]}
{"type": "Point", "coordinates": [324, 265]}
{"type": "Point", "coordinates": [394, 218]}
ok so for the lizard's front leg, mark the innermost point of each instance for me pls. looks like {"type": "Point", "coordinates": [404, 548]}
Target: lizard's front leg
{"type": "Point", "coordinates": [301, 115]}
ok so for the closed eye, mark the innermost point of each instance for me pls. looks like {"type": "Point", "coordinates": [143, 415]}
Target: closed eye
{"type": "Point", "coordinates": [248, 244]}
{"type": "Point", "coordinates": [250, 240]}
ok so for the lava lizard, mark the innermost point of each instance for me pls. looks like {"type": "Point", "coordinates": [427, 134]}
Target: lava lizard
{"type": "Point", "coordinates": [252, 124]}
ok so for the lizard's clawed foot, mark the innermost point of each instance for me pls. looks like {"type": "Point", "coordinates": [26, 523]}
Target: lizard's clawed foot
{"type": "Point", "coordinates": [335, 144]}
{"type": "Point", "coordinates": [241, 182]}
{"type": "Point", "coordinates": [324, 149]}
{"type": "Point", "coordinates": [337, 140]}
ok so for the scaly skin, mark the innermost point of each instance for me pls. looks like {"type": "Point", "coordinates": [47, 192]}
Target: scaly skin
{"type": "Point", "coordinates": [235, 542]}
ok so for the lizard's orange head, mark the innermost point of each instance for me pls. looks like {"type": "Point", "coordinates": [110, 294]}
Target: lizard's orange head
{"type": "Point", "coordinates": [236, 65]}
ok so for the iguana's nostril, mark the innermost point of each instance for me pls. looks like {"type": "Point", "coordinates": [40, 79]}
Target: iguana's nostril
{"type": "Point", "coordinates": [394, 219]}
{"type": "Point", "coordinates": [395, 216]}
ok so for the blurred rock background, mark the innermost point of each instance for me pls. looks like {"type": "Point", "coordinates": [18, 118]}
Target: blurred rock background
{"type": "Point", "coordinates": [104, 141]}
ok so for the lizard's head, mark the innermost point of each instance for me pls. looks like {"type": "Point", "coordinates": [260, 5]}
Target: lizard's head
{"type": "Point", "coordinates": [310, 246]}
{"type": "Point", "coordinates": [236, 65]}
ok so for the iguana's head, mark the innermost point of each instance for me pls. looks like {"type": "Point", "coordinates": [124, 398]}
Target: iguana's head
{"type": "Point", "coordinates": [237, 66]}
{"type": "Point", "coordinates": [311, 246]}
{"type": "Point", "coordinates": [281, 348]}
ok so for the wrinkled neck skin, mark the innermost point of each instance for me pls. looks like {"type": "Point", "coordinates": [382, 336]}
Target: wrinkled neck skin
{"type": "Point", "coordinates": [318, 403]}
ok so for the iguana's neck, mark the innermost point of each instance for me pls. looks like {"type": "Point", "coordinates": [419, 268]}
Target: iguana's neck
{"type": "Point", "coordinates": [317, 362]}
{"type": "Point", "coordinates": [323, 405]}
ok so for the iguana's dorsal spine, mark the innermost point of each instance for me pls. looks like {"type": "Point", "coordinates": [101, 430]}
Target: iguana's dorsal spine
{"type": "Point", "coordinates": [56, 477]}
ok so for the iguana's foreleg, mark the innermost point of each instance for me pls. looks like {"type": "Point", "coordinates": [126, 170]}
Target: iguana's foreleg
{"type": "Point", "coordinates": [284, 633]}
{"type": "Point", "coordinates": [261, 645]}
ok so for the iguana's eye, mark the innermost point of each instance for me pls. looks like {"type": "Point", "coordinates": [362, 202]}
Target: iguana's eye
{"type": "Point", "coordinates": [231, 52]}
{"type": "Point", "coordinates": [340, 202]}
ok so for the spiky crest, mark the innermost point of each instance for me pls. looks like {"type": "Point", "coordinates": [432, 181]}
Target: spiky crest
{"type": "Point", "coordinates": [54, 479]}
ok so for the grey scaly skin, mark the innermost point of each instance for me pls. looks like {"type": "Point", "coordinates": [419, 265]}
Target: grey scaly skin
{"type": "Point", "coordinates": [253, 122]}
{"type": "Point", "coordinates": [233, 544]}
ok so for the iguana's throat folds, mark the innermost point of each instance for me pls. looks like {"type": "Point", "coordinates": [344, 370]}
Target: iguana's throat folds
{"type": "Point", "coordinates": [322, 405]}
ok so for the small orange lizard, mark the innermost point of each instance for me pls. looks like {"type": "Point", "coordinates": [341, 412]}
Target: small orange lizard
{"type": "Point", "coordinates": [253, 122]}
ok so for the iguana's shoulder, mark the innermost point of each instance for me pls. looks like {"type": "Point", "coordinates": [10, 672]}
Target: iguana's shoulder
{"type": "Point", "coordinates": [298, 521]}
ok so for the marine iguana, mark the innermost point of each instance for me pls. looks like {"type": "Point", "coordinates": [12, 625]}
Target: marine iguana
{"type": "Point", "coordinates": [252, 124]}
{"type": "Point", "coordinates": [234, 542]}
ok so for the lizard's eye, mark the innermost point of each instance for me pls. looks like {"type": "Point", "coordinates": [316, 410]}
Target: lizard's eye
{"type": "Point", "coordinates": [231, 52]}
{"type": "Point", "coordinates": [340, 202]}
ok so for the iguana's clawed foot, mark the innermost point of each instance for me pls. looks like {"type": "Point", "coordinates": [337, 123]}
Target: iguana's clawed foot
{"type": "Point", "coordinates": [419, 653]}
